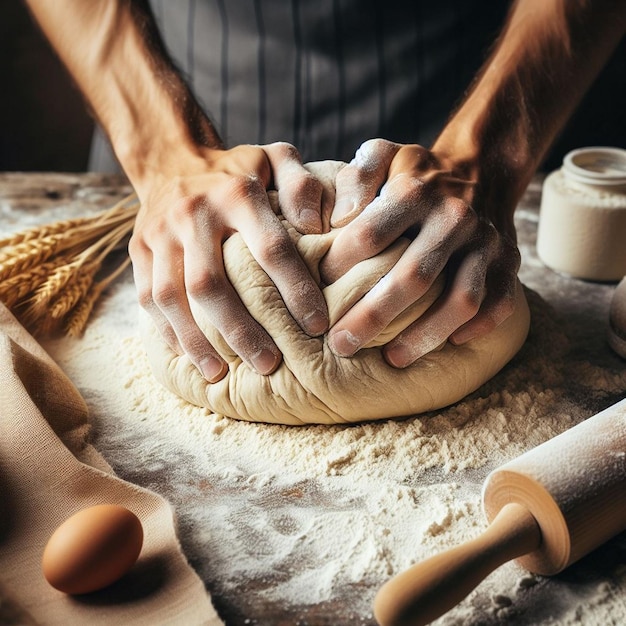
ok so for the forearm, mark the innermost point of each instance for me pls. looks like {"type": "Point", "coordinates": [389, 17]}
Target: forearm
{"type": "Point", "coordinates": [114, 52]}
{"type": "Point", "coordinates": [547, 57]}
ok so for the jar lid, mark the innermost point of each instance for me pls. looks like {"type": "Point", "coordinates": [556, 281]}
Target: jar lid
{"type": "Point", "coordinates": [596, 166]}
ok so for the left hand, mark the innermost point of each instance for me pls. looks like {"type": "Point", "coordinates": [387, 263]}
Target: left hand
{"type": "Point", "coordinates": [187, 213]}
{"type": "Point", "coordinates": [390, 190]}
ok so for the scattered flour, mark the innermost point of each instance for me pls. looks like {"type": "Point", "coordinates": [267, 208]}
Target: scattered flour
{"type": "Point", "coordinates": [296, 517]}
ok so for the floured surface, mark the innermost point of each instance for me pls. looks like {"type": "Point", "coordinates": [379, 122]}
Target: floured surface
{"type": "Point", "coordinates": [308, 522]}
{"type": "Point", "coordinates": [305, 524]}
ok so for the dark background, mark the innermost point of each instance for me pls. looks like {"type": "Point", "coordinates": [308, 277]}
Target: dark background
{"type": "Point", "coordinates": [44, 125]}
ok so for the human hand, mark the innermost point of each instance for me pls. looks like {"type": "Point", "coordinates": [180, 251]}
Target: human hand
{"type": "Point", "coordinates": [389, 190]}
{"type": "Point", "coordinates": [176, 249]}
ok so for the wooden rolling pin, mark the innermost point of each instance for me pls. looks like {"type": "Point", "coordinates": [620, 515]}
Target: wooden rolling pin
{"type": "Point", "coordinates": [547, 508]}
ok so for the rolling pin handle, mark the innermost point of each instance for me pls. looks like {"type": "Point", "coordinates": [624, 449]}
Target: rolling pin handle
{"type": "Point", "coordinates": [427, 590]}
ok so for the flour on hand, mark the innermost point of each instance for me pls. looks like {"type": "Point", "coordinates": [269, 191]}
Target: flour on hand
{"type": "Point", "coordinates": [313, 385]}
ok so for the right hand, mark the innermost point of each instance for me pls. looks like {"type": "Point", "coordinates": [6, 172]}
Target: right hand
{"type": "Point", "coordinates": [176, 249]}
{"type": "Point", "coordinates": [391, 190]}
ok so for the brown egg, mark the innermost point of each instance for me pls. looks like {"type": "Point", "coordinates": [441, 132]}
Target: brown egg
{"type": "Point", "coordinates": [92, 549]}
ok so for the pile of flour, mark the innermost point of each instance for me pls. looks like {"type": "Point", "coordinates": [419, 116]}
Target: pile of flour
{"type": "Point", "coordinates": [316, 516]}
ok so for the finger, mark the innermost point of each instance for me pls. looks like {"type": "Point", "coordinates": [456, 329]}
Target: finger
{"type": "Point", "coordinates": [358, 183]}
{"type": "Point", "coordinates": [495, 309]}
{"type": "Point", "coordinates": [273, 249]}
{"type": "Point", "coordinates": [141, 257]}
{"type": "Point", "coordinates": [498, 305]}
{"type": "Point", "coordinates": [458, 304]}
{"type": "Point", "coordinates": [402, 286]}
{"type": "Point", "coordinates": [398, 207]}
{"type": "Point", "coordinates": [328, 202]}
{"type": "Point", "coordinates": [301, 195]}
{"type": "Point", "coordinates": [368, 317]}
{"type": "Point", "coordinates": [207, 284]}
{"type": "Point", "coordinates": [169, 295]}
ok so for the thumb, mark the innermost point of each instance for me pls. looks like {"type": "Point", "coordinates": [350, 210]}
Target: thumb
{"type": "Point", "coordinates": [358, 182]}
{"type": "Point", "coordinates": [300, 194]}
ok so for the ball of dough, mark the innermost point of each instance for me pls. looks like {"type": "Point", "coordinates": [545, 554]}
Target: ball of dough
{"type": "Point", "coordinates": [312, 385]}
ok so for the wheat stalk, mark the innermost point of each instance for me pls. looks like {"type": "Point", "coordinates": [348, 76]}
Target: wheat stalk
{"type": "Point", "coordinates": [77, 320]}
{"type": "Point", "coordinates": [51, 290]}
{"type": "Point", "coordinates": [77, 288]}
{"type": "Point", "coordinates": [48, 273]}
{"type": "Point", "coordinates": [57, 279]}
{"type": "Point", "coordinates": [27, 254]}
{"type": "Point", "coordinates": [37, 232]}
{"type": "Point", "coordinates": [19, 287]}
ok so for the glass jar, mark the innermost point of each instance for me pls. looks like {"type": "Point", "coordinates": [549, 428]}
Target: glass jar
{"type": "Point", "coordinates": [582, 220]}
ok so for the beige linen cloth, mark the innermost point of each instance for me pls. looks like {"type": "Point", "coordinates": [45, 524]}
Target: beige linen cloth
{"type": "Point", "coordinates": [48, 471]}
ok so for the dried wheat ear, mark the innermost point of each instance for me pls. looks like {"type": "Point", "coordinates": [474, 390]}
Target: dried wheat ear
{"type": "Point", "coordinates": [52, 275]}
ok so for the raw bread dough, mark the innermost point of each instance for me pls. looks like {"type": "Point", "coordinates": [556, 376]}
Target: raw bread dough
{"type": "Point", "coordinates": [312, 385]}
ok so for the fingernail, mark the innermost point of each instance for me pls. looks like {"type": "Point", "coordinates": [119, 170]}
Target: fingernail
{"type": "Point", "coordinates": [344, 343]}
{"type": "Point", "coordinates": [404, 355]}
{"type": "Point", "coordinates": [341, 212]}
{"type": "Point", "coordinates": [462, 336]}
{"type": "Point", "coordinates": [397, 356]}
{"type": "Point", "coordinates": [315, 323]}
{"type": "Point", "coordinates": [264, 361]}
{"type": "Point", "coordinates": [312, 219]}
{"type": "Point", "coordinates": [213, 369]}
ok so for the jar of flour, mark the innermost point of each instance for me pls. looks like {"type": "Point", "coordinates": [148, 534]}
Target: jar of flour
{"type": "Point", "coordinates": [582, 221]}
